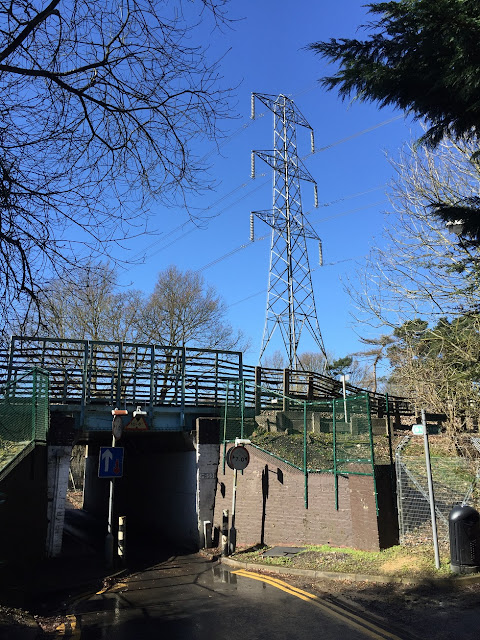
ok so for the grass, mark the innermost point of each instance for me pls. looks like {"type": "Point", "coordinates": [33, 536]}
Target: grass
{"type": "Point", "coordinates": [450, 470]}
{"type": "Point", "coordinates": [289, 446]}
{"type": "Point", "coordinates": [415, 561]}
{"type": "Point", "coordinates": [9, 450]}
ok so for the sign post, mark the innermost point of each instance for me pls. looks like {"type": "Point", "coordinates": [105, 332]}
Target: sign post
{"type": "Point", "coordinates": [419, 430]}
{"type": "Point", "coordinates": [109, 541]}
{"type": "Point", "coordinates": [237, 459]}
{"type": "Point", "coordinates": [110, 465]}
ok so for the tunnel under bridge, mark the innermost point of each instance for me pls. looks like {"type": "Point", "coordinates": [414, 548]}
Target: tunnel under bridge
{"type": "Point", "coordinates": [171, 388]}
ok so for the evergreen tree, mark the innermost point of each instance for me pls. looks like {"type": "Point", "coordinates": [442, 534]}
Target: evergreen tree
{"type": "Point", "coordinates": [439, 366]}
{"type": "Point", "coordinates": [423, 57]}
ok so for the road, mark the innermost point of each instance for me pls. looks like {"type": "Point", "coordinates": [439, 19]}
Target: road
{"type": "Point", "coordinates": [189, 598]}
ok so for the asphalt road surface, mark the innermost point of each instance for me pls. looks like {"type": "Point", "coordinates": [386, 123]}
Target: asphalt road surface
{"type": "Point", "coordinates": [189, 598]}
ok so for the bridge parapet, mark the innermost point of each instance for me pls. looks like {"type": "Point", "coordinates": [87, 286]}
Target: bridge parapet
{"type": "Point", "coordinates": [116, 373]}
{"type": "Point", "coordinates": [92, 377]}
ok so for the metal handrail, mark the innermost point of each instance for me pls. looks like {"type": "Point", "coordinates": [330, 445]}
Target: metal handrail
{"type": "Point", "coordinates": [93, 371]}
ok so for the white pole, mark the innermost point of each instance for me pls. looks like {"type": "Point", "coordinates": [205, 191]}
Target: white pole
{"type": "Point", "coordinates": [233, 531]}
{"type": "Point", "coordinates": [109, 542]}
{"type": "Point", "coordinates": [122, 538]}
{"type": "Point", "coordinates": [225, 532]}
{"type": "Point", "coordinates": [344, 397]}
{"type": "Point", "coordinates": [430, 491]}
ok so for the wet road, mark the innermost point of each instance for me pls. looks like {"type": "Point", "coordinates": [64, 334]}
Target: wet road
{"type": "Point", "coordinates": [188, 598]}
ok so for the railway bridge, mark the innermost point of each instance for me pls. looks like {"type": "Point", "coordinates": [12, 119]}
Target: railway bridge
{"type": "Point", "coordinates": [55, 393]}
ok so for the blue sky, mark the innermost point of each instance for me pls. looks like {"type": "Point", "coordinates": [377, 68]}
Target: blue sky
{"type": "Point", "coordinates": [265, 54]}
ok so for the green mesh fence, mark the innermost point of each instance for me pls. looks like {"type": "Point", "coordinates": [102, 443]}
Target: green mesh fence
{"type": "Point", "coordinates": [238, 421]}
{"type": "Point", "coordinates": [24, 414]}
{"type": "Point", "coordinates": [329, 436]}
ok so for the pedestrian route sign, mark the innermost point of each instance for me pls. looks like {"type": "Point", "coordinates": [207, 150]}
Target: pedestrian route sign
{"type": "Point", "coordinates": [110, 462]}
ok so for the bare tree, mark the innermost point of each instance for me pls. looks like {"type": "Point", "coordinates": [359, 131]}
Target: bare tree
{"type": "Point", "coordinates": [275, 360]}
{"type": "Point", "coordinates": [376, 353]}
{"type": "Point", "coordinates": [422, 282]}
{"type": "Point", "coordinates": [101, 104]}
{"type": "Point", "coordinates": [184, 311]}
{"type": "Point", "coordinates": [315, 361]}
{"type": "Point", "coordinates": [419, 267]}
{"type": "Point", "coordinates": [87, 304]}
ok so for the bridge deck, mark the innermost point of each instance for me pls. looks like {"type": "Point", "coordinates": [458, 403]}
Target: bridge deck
{"type": "Point", "coordinates": [90, 378]}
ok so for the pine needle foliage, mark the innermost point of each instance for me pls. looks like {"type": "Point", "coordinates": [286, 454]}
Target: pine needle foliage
{"type": "Point", "coordinates": [422, 56]}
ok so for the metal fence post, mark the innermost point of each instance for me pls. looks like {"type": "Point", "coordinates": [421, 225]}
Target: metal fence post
{"type": "Point", "coordinates": [430, 491]}
{"type": "Point", "coordinates": [334, 437]}
{"type": "Point", "coordinates": [183, 388]}
{"type": "Point", "coordinates": [119, 374]}
{"type": "Point", "coordinates": [242, 408]}
{"type": "Point", "coordinates": [34, 404]}
{"type": "Point", "coordinates": [305, 470]}
{"type": "Point", "coordinates": [400, 498]}
{"type": "Point", "coordinates": [258, 390]}
{"type": "Point", "coordinates": [372, 448]}
{"type": "Point", "coordinates": [286, 388]}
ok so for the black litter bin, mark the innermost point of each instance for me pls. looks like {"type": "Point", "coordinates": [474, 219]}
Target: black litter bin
{"type": "Point", "coordinates": [464, 530]}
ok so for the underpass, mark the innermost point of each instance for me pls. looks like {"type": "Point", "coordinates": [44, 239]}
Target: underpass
{"type": "Point", "coordinates": [172, 389]}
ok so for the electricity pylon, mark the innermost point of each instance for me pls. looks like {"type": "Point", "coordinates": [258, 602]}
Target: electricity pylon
{"type": "Point", "coordinates": [290, 299]}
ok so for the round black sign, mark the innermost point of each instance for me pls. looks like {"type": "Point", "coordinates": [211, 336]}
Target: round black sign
{"type": "Point", "coordinates": [238, 458]}
{"type": "Point", "coordinates": [117, 427]}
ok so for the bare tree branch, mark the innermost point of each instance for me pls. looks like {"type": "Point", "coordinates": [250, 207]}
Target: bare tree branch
{"type": "Point", "coordinates": [101, 109]}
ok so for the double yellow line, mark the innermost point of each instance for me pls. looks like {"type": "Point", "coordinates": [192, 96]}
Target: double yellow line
{"type": "Point", "coordinates": [368, 628]}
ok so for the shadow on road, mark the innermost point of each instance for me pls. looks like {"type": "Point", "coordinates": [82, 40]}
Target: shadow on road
{"type": "Point", "coordinates": [49, 585]}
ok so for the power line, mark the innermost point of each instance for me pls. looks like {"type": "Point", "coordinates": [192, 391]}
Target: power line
{"type": "Point", "coordinates": [248, 244]}
{"type": "Point", "coordinates": [219, 213]}
{"type": "Point", "coordinates": [230, 253]}
{"type": "Point", "coordinates": [261, 184]}
{"type": "Point", "coordinates": [228, 139]}
{"type": "Point", "coordinates": [192, 222]}
{"type": "Point", "coordinates": [263, 291]}
{"type": "Point", "coordinates": [356, 135]}
{"type": "Point", "coordinates": [350, 197]}
{"type": "Point", "coordinates": [329, 146]}
{"type": "Point", "coordinates": [346, 213]}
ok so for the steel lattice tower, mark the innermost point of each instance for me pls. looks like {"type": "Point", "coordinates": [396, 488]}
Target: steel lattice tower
{"type": "Point", "coordinates": [290, 299]}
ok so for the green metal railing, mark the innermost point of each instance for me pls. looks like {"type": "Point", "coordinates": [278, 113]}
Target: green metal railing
{"type": "Point", "coordinates": [329, 436]}
{"type": "Point", "coordinates": [95, 372]}
{"type": "Point", "coordinates": [90, 372]}
{"type": "Point", "coordinates": [24, 414]}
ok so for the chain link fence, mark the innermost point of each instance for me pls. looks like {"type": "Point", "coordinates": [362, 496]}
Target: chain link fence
{"type": "Point", "coordinates": [24, 414]}
{"type": "Point", "coordinates": [455, 474]}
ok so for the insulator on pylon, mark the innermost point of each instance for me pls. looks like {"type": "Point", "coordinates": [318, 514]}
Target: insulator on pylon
{"type": "Point", "coordinates": [312, 141]}
{"type": "Point", "coordinates": [320, 253]}
{"type": "Point", "coordinates": [315, 196]}
{"type": "Point", "coordinates": [252, 111]}
{"type": "Point", "coordinates": [252, 231]}
{"type": "Point", "coordinates": [252, 167]}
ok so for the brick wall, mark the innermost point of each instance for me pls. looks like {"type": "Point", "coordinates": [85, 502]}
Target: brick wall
{"type": "Point", "coordinates": [270, 506]}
